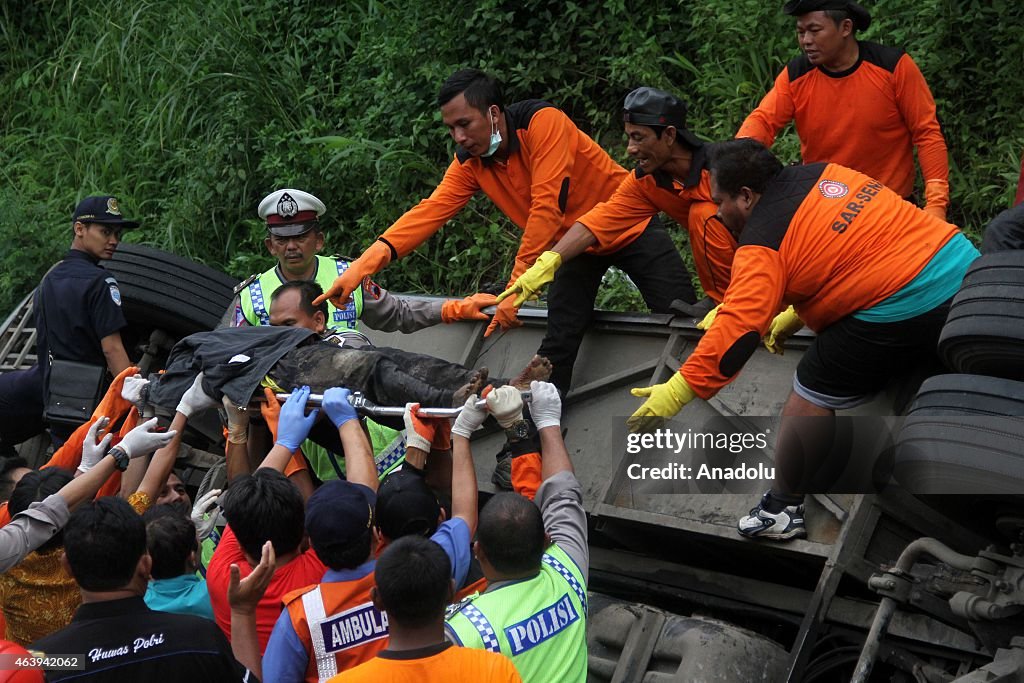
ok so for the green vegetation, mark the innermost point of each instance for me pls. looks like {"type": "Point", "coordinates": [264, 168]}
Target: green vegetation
{"type": "Point", "coordinates": [191, 110]}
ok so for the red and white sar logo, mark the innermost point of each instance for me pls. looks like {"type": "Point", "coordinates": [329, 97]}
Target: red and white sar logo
{"type": "Point", "coordinates": [833, 189]}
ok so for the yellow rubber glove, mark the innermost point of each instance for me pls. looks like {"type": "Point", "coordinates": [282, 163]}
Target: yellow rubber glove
{"type": "Point", "coordinates": [370, 263]}
{"type": "Point", "coordinates": [936, 198]}
{"type": "Point", "coordinates": [467, 309]}
{"type": "Point", "coordinates": [534, 279]}
{"type": "Point", "coordinates": [784, 326]}
{"type": "Point", "coordinates": [663, 401]}
{"type": "Point", "coordinates": [709, 318]}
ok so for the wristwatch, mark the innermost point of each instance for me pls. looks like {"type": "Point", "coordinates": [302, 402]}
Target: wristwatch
{"type": "Point", "coordinates": [121, 458]}
{"type": "Point", "coordinates": [518, 430]}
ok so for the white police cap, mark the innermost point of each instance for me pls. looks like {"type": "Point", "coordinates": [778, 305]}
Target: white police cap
{"type": "Point", "coordinates": [290, 212]}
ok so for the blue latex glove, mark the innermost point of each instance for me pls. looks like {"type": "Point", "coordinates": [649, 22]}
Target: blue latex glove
{"type": "Point", "coordinates": [293, 425]}
{"type": "Point", "coordinates": [337, 407]}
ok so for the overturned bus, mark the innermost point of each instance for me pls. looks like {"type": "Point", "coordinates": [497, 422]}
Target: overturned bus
{"type": "Point", "coordinates": [913, 568]}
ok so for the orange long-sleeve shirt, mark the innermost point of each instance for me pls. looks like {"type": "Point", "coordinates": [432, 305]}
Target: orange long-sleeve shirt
{"type": "Point", "coordinates": [642, 195]}
{"type": "Point", "coordinates": [553, 175]}
{"type": "Point", "coordinates": [869, 117]}
{"type": "Point", "coordinates": [825, 239]}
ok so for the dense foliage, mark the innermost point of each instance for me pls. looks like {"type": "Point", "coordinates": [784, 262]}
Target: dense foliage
{"type": "Point", "coordinates": [192, 110]}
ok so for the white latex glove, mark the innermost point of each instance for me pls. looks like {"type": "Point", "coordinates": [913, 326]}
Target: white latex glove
{"type": "Point", "coordinates": [238, 422]}
{"type": "Point", "coordinates": [206, 514]}
{"type": "Point", "coordinates": [470, 419]}
{"type": "Point", "coordinates": [136, 391]}
{"type": "Point", "coordinates": [143, 441]}
{"type": "Point", "coordinates": [93, 452]}
{"type": "Point", "coordinates": [195, 399]}
{"type": "Point", "coordinates": [545, 405]}
{"type": "Point", "coordinates": [506, 405]}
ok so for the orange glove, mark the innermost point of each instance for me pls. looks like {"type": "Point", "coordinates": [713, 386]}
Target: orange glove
{"type": "Point", "coordinates": [454, 310]}
{"type": "Point", "coordinates": [936, 198]}
{"type": "Point", "coordinates": [373, 259]}
{"type": "Point", "coordinates": [505, 316]}
{"type": "Point", "coordinates": [271, 412]}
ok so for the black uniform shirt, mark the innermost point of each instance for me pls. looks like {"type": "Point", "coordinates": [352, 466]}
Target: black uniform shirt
{"type": "Point", "coordinates": [76, 305]}
{"type": "Point", "coordinates": [124, 640]}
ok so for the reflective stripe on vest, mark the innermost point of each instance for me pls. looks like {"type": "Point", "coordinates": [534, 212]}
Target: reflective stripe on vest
{"type": "Point", "coordinates": [483, 627]}
{"type": "Point", "coordinates": [550, 561]}
{"type": "Point", "coordinates": [388, 447]}
{"type": "Point", "coordinates": [255, 299]}
{"type": "Point", "coordinates": [313, 604]}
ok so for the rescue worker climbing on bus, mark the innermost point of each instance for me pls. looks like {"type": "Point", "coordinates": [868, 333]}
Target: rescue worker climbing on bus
{"type": "Point", "coordinates": [543, 173]}
{"type": "Point", "coordinates": [871, 274]}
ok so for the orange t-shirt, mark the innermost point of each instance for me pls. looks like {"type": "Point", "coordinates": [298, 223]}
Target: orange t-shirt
{"type": "Point", "coordinates": [553, 175]}
{"type": "Point", "coordinates": [443, 663]}
{"type": "Point", "coordinates": [825, 239]}
{"type": "Point", "coordinates": [869, 117]}
{"type": "Point", "coordinates": [641, 196]}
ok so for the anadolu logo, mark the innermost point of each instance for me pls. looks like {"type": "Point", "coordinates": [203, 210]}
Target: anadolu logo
{"type": "Point", "coordinates": [833, 189]}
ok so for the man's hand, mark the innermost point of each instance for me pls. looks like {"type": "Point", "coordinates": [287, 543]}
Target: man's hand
{"type": "Point", "coordinates": [143, 440]}
{"type": "Point", "coordinates": [372, 260]}
{"type": "Point", "coordinates": [238, 421]}
{"type": "Point", "coordinates": [534, 279]}
{"type": "Point", "coordinates": [419, 433]}
{"type": "Point", "coordinates": [506, 405]}
{"type": "Point", "coordinates": [93, 452]}
{"type": "Point", "coordinates": [294, 424]}
{"type": "Point", "coordinates": [195, 399]}
{"type": "Point", "coordinates": [470, 419]}
{"type": "Point", "coordinates": [545, 405]}
{"type": "Point", "coordinates": [705, 324]}
{"type": "Point", "coordinates": [205, 514]}
{"type": "Point", "coordinates": [469, 308]}
{"type": "Point", "coordinates": [337, 406]}
{"type": "Point", "coordinates": [135, 390]}
{"type": "Point", "coordinates": [505, 317]}
{"type": "Point", "coordinates": [663, 401]}
{"type": "Point", "coordinates": [784, 326]}
{"type": "Point", "coordinates": [245, 594]}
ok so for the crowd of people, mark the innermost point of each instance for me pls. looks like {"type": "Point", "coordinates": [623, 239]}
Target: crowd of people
{"type": "Point", "coordinates": [375, 561]}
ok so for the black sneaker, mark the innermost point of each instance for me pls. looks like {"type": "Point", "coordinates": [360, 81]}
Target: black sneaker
{"type": "Point", "coordinates": [502, 477]}
{"type": "Point", "coordinates": [775, 526]}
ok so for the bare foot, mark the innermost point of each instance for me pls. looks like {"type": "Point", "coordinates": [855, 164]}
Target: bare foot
{"type": "Point", "coordinates": [539, 368]}
{"type": "Point", "coordinates": [476, 384]}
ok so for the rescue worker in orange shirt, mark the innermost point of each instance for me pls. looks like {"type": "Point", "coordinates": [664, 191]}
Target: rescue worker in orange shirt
{"type": "Point", "coordinates": [856, 103]}
{"type": "Point", "coordinates": [871, 274]}
{"type": "Point", "coordinates": [543, 173]}
{"type": "Point", "coordinates": [670, 176]}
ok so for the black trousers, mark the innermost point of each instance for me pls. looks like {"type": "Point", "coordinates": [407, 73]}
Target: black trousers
{"type": "Point", "coordinates": [21, 407]}
{"type": "Point", "coordinates": [651, 261]}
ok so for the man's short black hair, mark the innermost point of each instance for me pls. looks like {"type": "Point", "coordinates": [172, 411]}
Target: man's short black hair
{"type": "Point", "coordinates": [265, 506]}
{"type": "Point", "coordinates": [345, 556]}
{"type": "Point", "coordinates": [8, 465]}
{"type": "Point", "coordinates": [736, 164]}
{"type": "Point", "coordinates": [511, 531]}
{"type": "Point", "coordinates": [481, 90]}
{"type": "Point", "coordinates": [309, 290]}
{"type": "Point", "coordinates": [839, 16]}
{"type": "Point", "coordinates": [104, 541]}
{"type": "Point", "coordinates": [170, 538]}
{"type": "Point", "coordinates": [413, 577]}
{"type": "Point", "coordinates": [35, 486]}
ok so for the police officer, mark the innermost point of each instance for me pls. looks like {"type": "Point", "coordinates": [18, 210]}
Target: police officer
{"type": "Point", "coordinates": [295, 238]}
{"type": "Point", "coordinates": [78, 317]}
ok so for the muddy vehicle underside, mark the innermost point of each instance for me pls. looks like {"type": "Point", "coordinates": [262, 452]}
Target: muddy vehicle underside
{"type": "Point", "coordinates": [918, 587]}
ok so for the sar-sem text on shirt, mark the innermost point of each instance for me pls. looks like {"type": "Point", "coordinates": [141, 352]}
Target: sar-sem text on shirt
{"type": "Point", "coordinates": [142, 643]}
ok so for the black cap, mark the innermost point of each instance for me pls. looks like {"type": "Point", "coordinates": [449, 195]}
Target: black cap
{"type": "Point", "coordinates": [406, 505]}
{"type": "Point", "coordinates": [102, 209]}
{"type": "Point", "coordinates": [861, 17]}
{"type": "Point", "coordinates": [652, 107]}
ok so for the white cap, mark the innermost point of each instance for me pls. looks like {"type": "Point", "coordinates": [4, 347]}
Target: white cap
{"type": "Point", "coordinates": [290, 212]}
